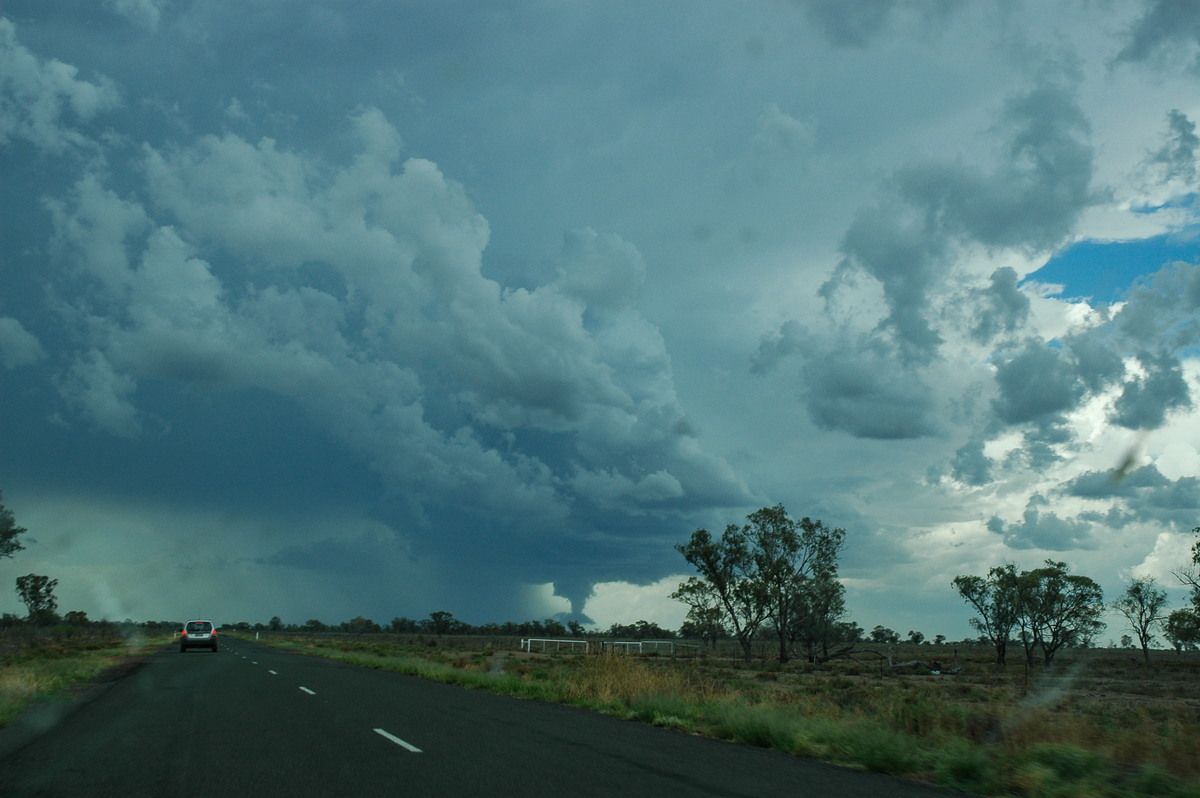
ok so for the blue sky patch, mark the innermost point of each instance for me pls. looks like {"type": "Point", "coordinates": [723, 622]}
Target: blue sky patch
{"type": "Point", "coordinates": [1105, 270]}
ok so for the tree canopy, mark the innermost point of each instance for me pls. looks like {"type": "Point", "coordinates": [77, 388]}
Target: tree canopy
{"type": "Point", "coordinates": [9, 532]}
{"type": "Point", "coordinates": [772, 568]}
{"type": "Point", "coordinates": [1049, 606]}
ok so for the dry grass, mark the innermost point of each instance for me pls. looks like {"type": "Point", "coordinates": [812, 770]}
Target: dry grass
{"type": "Point", "coordinates": [35, 669]}
{"type": "Point", "coordinates": [1098, 723]}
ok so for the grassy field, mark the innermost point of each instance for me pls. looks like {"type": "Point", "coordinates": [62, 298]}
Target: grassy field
{"type": "Point", "coordinates": [51, 665]}
{"type": "Point", "coordinates": [1098, 723]}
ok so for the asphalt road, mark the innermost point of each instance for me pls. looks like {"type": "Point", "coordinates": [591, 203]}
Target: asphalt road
{"type": "Point", "coordinates": [252, 720]}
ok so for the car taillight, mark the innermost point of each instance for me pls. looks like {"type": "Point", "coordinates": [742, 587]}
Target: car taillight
{"type": "Point", "coordinates": [183, 634]}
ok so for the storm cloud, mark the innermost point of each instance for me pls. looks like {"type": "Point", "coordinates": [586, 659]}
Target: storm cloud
{"type": "Point", "coordinates": [389, 308]}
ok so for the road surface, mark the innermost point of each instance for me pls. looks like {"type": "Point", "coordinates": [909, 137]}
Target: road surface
{"type": "Point", "coordinates": [256, 721]}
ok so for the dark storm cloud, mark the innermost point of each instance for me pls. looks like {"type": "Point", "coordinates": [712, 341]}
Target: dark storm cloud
{"type": "Point", "coordinates": [1177, 156]}
{"type": "Point", "coordinates": [850, 24]}
{"type": "Point", "coordinates": [1037, 192]}
{"type": "Point", "coordinates": [1040, 384]}
{"type": "Point", "coordinates": [1037, 384]}
{"type": "Point", "coordinates": [858, 24]}
{"type": "Point", "coordinates": [351, 292]}
{"type": "Point", "coordinates": [1040, 528]}
{"type": "Point", "coordinates": [1167, 24]}
{"type": "Point", "coordinates": [906, 261]}
{"type": "Point", "coordinates": [1163, 309]}
{"type": "Point", "coordinates": [1001, 307]}
{"type": "Point", "coordinates": [1146, 399]}
{"type": "Point", "coordinates": [857, 387]}
{"type": "Point", "coordinates": [405, 306]}
{"type": "Point", "coordinates": [1144, 495]}
{"type": "Point", "coordinates": [971, 465]}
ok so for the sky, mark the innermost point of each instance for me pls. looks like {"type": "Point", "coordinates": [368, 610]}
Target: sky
{"type": "Point", "coordinates": [320, 309]}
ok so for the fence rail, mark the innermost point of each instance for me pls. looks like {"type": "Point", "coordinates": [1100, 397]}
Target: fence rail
{"type": "Point", "coordinates": [545, 642]}
{"type": "Point", "coordinates": [647, 646]}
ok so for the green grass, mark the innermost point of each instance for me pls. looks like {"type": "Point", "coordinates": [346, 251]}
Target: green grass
{"type": "Point", "coordinates": [50, 667]}
{"type": "Point", "coordinates": [1093, 727]}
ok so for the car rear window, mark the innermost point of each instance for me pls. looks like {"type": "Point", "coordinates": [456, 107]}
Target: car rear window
{"type": "Point", "coordinates": [199, 626]}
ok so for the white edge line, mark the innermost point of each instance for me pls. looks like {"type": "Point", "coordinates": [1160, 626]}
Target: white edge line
{"type": "Point", "coordinates": [310, 692]}
{"type": "Point", "coordinates": [398, 741]}
{"type": "Point", "coordinates": [273, 673]}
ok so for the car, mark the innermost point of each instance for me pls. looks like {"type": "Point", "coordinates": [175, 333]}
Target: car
{"type": "Point", "coordinates": [198, 634]}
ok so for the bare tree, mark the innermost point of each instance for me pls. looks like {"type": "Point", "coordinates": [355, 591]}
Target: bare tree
{"type": "Point", "coordinates": [1190, 575]}
{"type": "Point", "coordinates": [1144, 605]}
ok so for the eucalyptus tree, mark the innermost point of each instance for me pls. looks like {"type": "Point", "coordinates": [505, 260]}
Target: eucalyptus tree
{"type": "Point", "coordinates": [1050, 606]}
{"type": "Point", "coordinates": [1182, 629]}
{"type": "Point", "coordinates": [994, 598]}
{"type": "Point", "coordinates": [771, 568]}
{"type": "Point", "coordinates": [1144, 605]}
{"type": "Point", "coordinates": [1058, 608]}
{"type": "Point", "coordinates": [726, 580]}
{"type": "Point", "coordinates": [37, 594]}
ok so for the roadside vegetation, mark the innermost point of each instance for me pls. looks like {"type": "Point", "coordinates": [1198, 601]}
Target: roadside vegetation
{"type": "Point", "coordinates": [1096, 723]}
{"type": "Point", "coordinates": [39, 663]}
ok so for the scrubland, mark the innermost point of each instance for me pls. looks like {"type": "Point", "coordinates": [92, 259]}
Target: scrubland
{"type": "Point", "coordinates": [1098, 723]}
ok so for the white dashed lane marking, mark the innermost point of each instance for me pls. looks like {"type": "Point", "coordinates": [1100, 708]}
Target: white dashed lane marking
{"type": "Point", "coordinates": [398, 741]}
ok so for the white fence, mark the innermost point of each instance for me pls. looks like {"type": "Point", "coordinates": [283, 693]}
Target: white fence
{"type": "Point", "coordinates": [647, 646]}
{"type": "Point", "coordinates": [545, 643]}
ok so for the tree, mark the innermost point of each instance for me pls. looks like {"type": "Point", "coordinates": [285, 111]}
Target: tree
{"type": "Point", "coordinates": [726, 580]}
{"type": "Point", "coordinates": [359, 625]}
{"type": "Point", "coordinates": [9, 532]}
{"type": "Point", "coordinates": [1144, 606]}
{"type": "Point", "coordinates": [847, 632]}
{"type": "Point", "coordinates": [761, 571]}
{"type": "Point", "coordinates": [37, 594]}
{"type": "Point", "coordinates": [1183, 629]}
{"type": "Point", "coordinates": [703, 624]}
{"type": "Point", "coordinates": [1051, 606]}
{"type": "Point", "coordinates": [994, 599]}
{"type": "Point", "coordinates": [1057, 609]}
{"type": "Point", "coordinates": [882, 635]}
{"type": "Point", "coordinates": [443, 622]}
{"type": "Point", "coordinates": [1190, 576]}
{"type": "Point", "coordinates": [275, 624]}
{"type": "Point", "coordinates": [815, 624]}
{"type": "Point", "coordinates": [796, 563]}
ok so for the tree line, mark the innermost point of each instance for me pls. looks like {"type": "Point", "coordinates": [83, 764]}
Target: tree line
{"type": "Point", "coordinates": [776, 577]}
{"type": "Point", "coordinates": [444, 623]}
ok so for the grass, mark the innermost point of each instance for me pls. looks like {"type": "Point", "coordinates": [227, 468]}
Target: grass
{"type": "Point", "coordinates": [1096, 724]}
{"type": "Point", "coordinates": [52, 666]}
